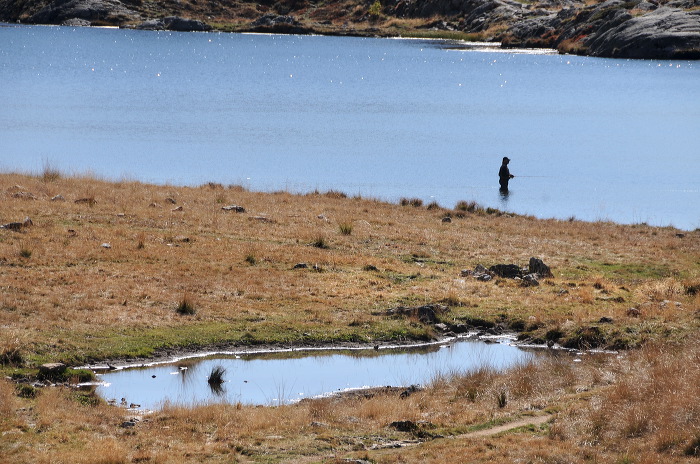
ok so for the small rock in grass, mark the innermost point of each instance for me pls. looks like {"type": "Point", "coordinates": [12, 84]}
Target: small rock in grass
{"type": "Point", "coordinates": [633, 312]}
{"type": "Point", "coordinates": [530, 280]}
{"type": "Point", "coordinates": [536, 266]}
{"type": "Point", "coordinates": [234, 208]}
{"type": "Point", "coordinates": [52, 369]}
{"type": "Point", "coordinates": [12, 226]}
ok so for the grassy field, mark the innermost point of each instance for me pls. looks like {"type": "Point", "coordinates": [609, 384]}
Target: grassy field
{"type": "Point", "coordinates": [125, 270]}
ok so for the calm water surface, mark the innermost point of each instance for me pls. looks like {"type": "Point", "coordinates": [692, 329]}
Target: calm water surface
{"type": "Point", "coordinates": [276, 378]}
{"type": "Point", "coordinates": [596, 139]}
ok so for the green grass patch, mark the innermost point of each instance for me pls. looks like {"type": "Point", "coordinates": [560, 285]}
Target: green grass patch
{"type": "Point", "coordinates": [84, 348]}
{"type": "Point", "coordinates": [399, 278]}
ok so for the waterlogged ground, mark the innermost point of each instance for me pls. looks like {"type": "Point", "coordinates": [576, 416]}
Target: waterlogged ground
{"type": "Point", "coordinates": [279, 377]}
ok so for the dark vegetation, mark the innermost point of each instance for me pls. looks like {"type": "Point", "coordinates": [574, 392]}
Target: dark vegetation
{"type": "Point", "coordinates": [634, 29]}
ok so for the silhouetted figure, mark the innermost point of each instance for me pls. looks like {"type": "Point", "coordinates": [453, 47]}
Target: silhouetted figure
{"type": "Point", "coordinates": [504, 175]}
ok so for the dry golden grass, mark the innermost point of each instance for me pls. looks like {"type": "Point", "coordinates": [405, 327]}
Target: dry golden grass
{"type": "Point", "coordinates": [67, 297]}
{"type": "Point", "coordinates": [113, 261]}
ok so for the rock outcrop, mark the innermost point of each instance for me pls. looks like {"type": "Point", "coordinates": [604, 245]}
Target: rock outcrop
{"type": "Point", "coordinates": [537, 266]}
{"type": "Point", "coordinates": [99, 11]}
{"type": "Point", "coordinates": [509, 271]}
{"type": "Point", "coordinates": [651, 29]}
{"type": "Point", "coordinates": [667, 33]}
{"type": "Point", "coordinates": [615, 29]}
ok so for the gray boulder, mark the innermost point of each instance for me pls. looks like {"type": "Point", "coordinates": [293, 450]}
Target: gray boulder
{"type": "Point", "coordinates": [151, 25]}
{"type": "Point", "coordinates": [76, 22]}
{"type": "Point", "coordinates": [174, 23]}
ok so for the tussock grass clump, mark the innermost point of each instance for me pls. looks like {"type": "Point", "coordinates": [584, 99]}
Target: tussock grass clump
{"type": "Point", "coordinates": [213, 186]}
{"type": "Point", "coordinates": [693, 448]}
{"type": "Point", "coordinates": [415, 202]}
{"type": "Point", "coordinates": [320, 242]}
{"type": "Point", "coordinates": [338, 195]}
{"type": "Point", "coordinates": [345, 228]}
{"type": "Point", "coordinates": [11, 352]}
{"type": "Point", "coordinates": [501, 398]}
{"type": "Point", "coordinates": [25, 250]}
{"type": "Point", "coordinates": [186, 306]}
{"type": "Point", "coordinates": [140, 241]}
{"type": "Point", "coordinates": [24, 390]}
{"type": "Point", "coordinates": [50, 173]}
{"type": "Point", "coordinates": [453, 299]}
{"type": "Point", "coordinates": [469, 207]}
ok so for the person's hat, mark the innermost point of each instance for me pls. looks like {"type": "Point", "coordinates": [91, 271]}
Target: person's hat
{"type": "Point", "coordinates": [505, 158]}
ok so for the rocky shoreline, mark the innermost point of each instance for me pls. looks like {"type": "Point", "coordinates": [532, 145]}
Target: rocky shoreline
{"type": "Point", "coordinates": [643, 29]}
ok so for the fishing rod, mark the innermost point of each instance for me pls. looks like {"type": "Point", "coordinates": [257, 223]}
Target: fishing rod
{"type": "Point", "coordinates": [549, 177]}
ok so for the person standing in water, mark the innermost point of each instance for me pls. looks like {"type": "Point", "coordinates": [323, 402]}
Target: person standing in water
{"type": "Point", "coordinates": [504, 175]}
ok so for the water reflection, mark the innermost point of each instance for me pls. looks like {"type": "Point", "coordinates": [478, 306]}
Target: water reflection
{"type": "Point", "coordinates": [284, 377]}
{"type": "Point", "coordinates": [216, 381]}
{"type": "Point", "coordinates": [504, 193]}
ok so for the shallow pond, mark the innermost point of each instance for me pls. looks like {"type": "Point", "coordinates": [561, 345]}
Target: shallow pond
{"type": "Point", "coordinates": [272, 378]}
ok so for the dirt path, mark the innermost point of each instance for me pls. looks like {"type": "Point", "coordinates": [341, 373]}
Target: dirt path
{"type": "Point", "coordinates": [534, 420]}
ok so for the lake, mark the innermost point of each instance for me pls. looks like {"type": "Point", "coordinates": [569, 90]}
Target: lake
{"type": "Point", "coordinates": [589, 138]}
{"type": "Point", "coordinates": [281, 377]}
